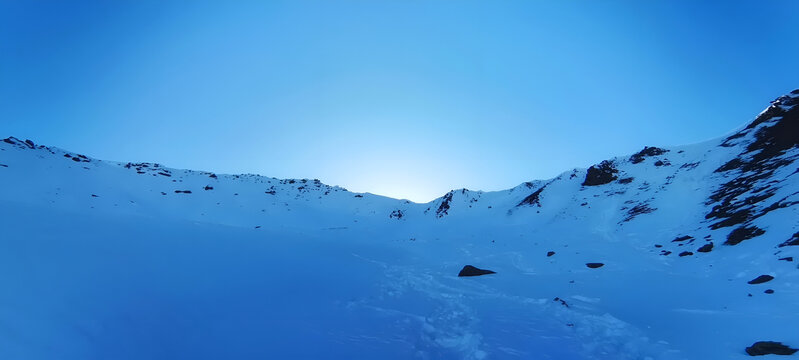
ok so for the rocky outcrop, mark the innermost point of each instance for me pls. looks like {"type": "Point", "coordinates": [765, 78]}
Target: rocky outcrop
{"type": "Point", "coordinates": [646, 152]}
{"type": "Point", "coordinates": [601, 174]}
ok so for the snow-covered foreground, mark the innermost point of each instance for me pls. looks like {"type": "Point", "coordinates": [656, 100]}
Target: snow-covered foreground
{"type": "Point", "coordinates": [103, 260]}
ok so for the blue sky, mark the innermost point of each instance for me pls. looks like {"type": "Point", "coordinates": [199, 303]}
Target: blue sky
{"type": "Point", "coordinates": [401, 98]}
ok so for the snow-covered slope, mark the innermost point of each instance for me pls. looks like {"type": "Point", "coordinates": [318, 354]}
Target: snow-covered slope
{"type": "Point", "coordinates": [106, 260]}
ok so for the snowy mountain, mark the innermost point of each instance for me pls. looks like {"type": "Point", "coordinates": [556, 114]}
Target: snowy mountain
{"type": "Point", "coordinates": [670, 253]}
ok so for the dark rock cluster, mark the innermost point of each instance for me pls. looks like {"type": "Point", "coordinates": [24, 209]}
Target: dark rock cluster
{"type": "Point", "coordinates": [600, 174]}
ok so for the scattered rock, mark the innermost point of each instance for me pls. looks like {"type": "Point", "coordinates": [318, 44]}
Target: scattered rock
{"type": "Point", "coordinates": [550, 253]}
{"type": "Point", "coordinates": [665, 252]}
{"type": "Point", "coordinates": [626, 180]}
{"type": "Point", "coordinates": [396, 214]}
{"type": "Point", "coordinates": [658, 246]}
{"type": "Point", "coordinates": [787, 258]}
{"type": "Point", "coordinates": [600, 174]}
{"type": "Point", "coordinates": [358, 196]}
{"type": "Point", "coordinates": [469, 270]}
{"type": "Point", "coordinates": [682, 238]}
{"type": "Point", "coordinates": [769, 291]}
{"type": "Point", "coordinates": [793, 241]}
{"type": "Point", "coordinates": [562, 302]}
{"type": "Point", "coordinates": [443, 209]}
{"type": "Point", "coordinates": [647, 151]}
{"type": "Point", "coordinates": [594, 265]}
{"type": "Point", "coordinates": [182, 191]}
{"type": "Point", "coordinates": [761, 279]}
{"type": "Point", "coordinates": [685, 253]}
{"type": "Point", "coordinates": [768, 348]}
{"type": "Point", "coordinates": [208, 187]}
{"type": "Point", "coordinates": [639, 209]}
{"type": "Point", "coordinates": [705, 248]}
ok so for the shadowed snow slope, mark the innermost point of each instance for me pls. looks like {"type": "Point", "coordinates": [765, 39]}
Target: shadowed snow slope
{"type": "Point", "coordinates": [106, 260]}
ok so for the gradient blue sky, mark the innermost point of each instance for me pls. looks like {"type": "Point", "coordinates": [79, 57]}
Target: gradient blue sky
{"type": "Point", "coordinates": [401, 98]}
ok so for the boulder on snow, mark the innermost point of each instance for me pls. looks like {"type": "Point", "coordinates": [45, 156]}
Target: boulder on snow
{"type": "Point", "coordinates": [761, 279]}
{"type": "Point", "coordinates": [706, 248]}
{"type": "Point", "coordinates": [469, 270]}
{"type": "Point", "coordinates": [594, 265]}
{"type": "Point", "coordinates": [768, 348]}
{"type": "Point", "coordinates": [550, 253]}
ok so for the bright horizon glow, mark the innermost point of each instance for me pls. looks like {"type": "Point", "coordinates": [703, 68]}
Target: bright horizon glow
{"type": "Point", "coordinates": [397, 98]}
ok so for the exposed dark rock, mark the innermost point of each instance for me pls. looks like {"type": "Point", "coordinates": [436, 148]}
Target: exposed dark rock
{"type": "Point", "coordinates": [182, 191]}
{"type": "Point", "coordinates": [626, 180]}
{"type": "Point", "coordinates": [76, 159]}
{"type": "Point", "coordinates": [647, 151]}
{"type": "Point", "coordinates": [743, 233]}
{"type": "Point", "coordinates": [562, 302]}
{"type": "Point", "coordinates": [3, 165]}
{"type": "Point", "coordinates": [594, 265]}
{"type": "Point", "coordinates": [665, 252]}
{"type": "Point", "coordinates": [639, 209]}
{"type": "Point", "coordinates": [685, 253]}
{"type": "Point", "coordinates": [443, 209]}
{"type": "Point", "coordinates": [165, 174]}
{"type": "Point", "coordinates": [683, 238]}
{"type": "Point", "coordinates": [769, 348]}
{"type": "Point", "coordinates": [469, 270]}
{"type": "Point", "coordinates": [706, 248]}
{"type": "Point", "coordinates": [771, 134]}
{"type": "Point", "coordinates": [689, 166]}
{"type": "Point", "coordinates": [30, 144]}
{"type": "Point", "coordinates": [761, 279]}
{"type": "Point", "coordinates": [787, 258]}
{"type": "Point", "coordinates": [793, 241]}
{"type": "Point", "coordinates": [550, 253]}
{"type": "Point", "coordinates": [396, 214]}
{"type": "Point", "coordinates": [600, 174]}
{"type": "Point", "coordinates": [769, 291]}
{"type": "Point", "coordinates": [270, 192]}
{"type": "Point", "coordinates": [212, 176]}
{"type": "Point", "coordinates": [9, 141]}
{"type": "Point", "coordinates": [658, 246]}
{"type": "Point", "coordinates": [93, 195]}
{"type": "Point", "coordinates": [533, 199]}
{"type": "Point", "coordinates": [208, 187]}
{"type": "Point", "coordinates": [662, 163]}
{"type": "Point", "coordinates": [358, 196]}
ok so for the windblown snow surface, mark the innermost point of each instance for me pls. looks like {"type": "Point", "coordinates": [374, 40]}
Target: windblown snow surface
{"type": "Point", "coordinates": [107, 260]}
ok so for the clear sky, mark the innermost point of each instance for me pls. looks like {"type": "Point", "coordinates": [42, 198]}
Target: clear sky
{"type": "Point", "coordinates": [407, 98]}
